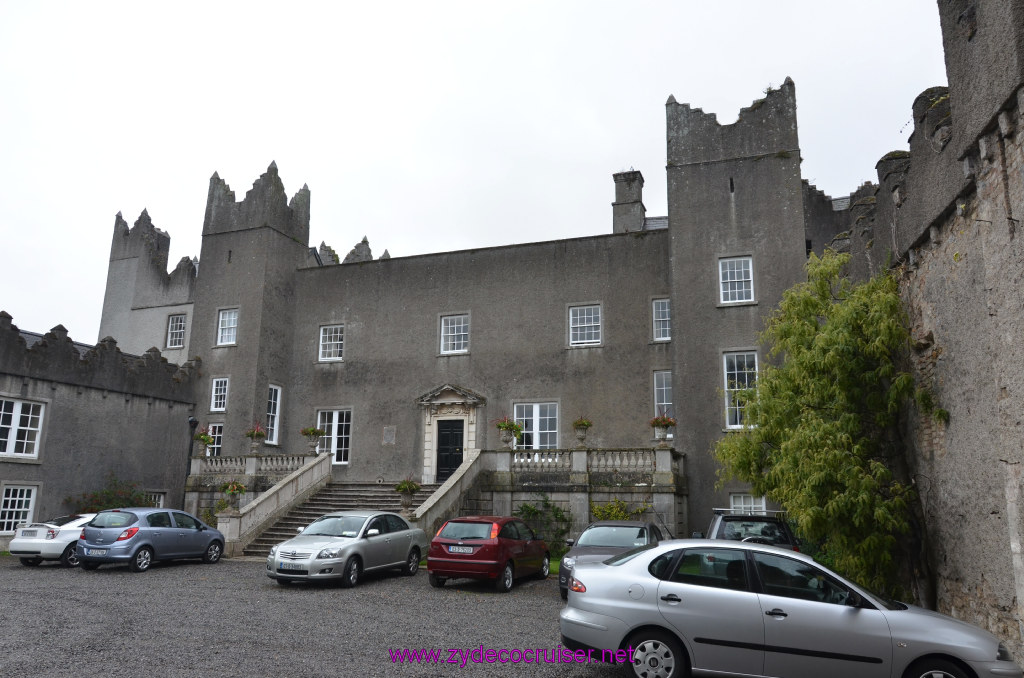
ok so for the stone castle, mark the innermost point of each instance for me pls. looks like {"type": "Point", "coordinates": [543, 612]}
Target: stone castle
{"type": "Point", "coordinates": [407, 361]}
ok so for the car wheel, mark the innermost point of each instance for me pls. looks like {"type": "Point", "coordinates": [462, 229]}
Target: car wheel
{"type": "Point", "coordinates": [545, 567]}
{"type": "Point", "coordinates": [89, 566]}
{"type": "Point", "coordinates": [504, 581]}
{"type": "Point", "coordinates": [564, 593]}
{"type": "Point", "coordinates": [435, 581]}
{"type": "Point", "coordinates": [31, 562]}
{"type": "Point", "coordinates": [934, 668]}
{"type": "Point", "coordinates": [142, 559]}
{"type": "Point", "coordinates": [657, 655]}
{"type": "Point", "coordinates": [351, 576]}
{"type": "Point", "coordinates": [412, 563]}
{"type": "Point", "coordinates": [213, 552]}
{"type": "Point", "coordinates": [70, 556]}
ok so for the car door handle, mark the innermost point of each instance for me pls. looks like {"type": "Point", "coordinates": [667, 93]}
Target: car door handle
{"type": "Point", "coordinates": [672, 598]}
{"type": "Point", "coordinates": [776, 612]}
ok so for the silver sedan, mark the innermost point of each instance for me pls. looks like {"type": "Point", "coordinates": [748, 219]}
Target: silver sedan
{"type": "Point", "coordinates": [711, 608]}
{"type": "Point", "coordinates": [346, 544]}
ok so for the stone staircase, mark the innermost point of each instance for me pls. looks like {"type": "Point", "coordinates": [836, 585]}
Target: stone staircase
{"type": "Point", "coordinates": [334, 497]}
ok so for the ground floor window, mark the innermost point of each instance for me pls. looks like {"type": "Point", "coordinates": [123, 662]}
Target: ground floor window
{"type": "Point", "coordinates": [273, 413]}
{"type": "Point", "coordinates": [746, 503]}
{"type": "Point", "coordinates": [540, 425]}
{"type": "Point", "coordinates": [16, 507]}
{"type": "Point", "coordinates": [337, 442]}
{"type": "Point", "coordinates": [216, 431]}
{"type": "Point", "coordinates": [156, 498]}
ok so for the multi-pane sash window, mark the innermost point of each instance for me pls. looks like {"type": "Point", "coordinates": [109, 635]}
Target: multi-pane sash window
{"type": "Point", "coordinates": [219, 396]}
{"type": "Point", "coordinates": [740, 374]}
{"type": "Point", "coordinates": [273, 413]}
{"type": "Point", "coordinates": [16, 506]}
{"type": "Point", "coordinates": [337, 442]}
{"type": "Point", "coordinates": [584, 325]}
{"type": "Point", "coordinates": [216, 431]}
{"type": "Point", "coordinates": [746, 503]}
{"type": "Point", "coordinates": [176, 331]}
{"type": "Point", "coordinates": [156, 498]}
{"type": "Point", "coordinates": [736, 278]}
{"type": "Point", "coordinates": [332, 342]}
{"type": "Point", "coordinates": [540, 425]}
{"type": "Point", "coordinates": [20, 426]}
{"type": "Point", "coordinates": [455, 334]}
{"type": "Point", "coordinates": [227, 326]}
{"type": "Point", "coordinates": [663, 395]}
{"type": "Point", "coordinates": [662, 320]}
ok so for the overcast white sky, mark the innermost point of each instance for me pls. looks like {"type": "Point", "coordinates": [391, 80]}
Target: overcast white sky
{"type": "Point", "coordinates": [425, 126]}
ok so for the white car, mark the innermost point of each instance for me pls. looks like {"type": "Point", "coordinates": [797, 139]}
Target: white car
{"type": "Point", "coordinates": [53, 539]}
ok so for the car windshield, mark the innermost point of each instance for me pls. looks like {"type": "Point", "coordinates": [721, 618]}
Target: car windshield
{"type": "Point", "coordinates": [113, 519]}
{"type": "Point", "coordinates": [335, 526]}
{"type": "Point", "coordinates": [765, 531]}
{"type": "Point", "coordinates": [623, 558]}
{"type": "Point", "coordinates": [459, 530]}
{"type": "Point", "coordinates": [613, 535]}
{"type": "Point", "coordinates": [61, 520]}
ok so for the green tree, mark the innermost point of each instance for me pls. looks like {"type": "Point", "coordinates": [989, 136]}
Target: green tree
{"type": "Point", "coordinates": [822, 434]}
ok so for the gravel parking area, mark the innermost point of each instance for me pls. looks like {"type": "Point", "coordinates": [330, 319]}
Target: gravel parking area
{"type": "Point", "coordinates": [188, 619]}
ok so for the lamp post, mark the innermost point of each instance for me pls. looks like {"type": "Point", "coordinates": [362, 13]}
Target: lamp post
{"type": "Point", "coordinates": [192, 424]}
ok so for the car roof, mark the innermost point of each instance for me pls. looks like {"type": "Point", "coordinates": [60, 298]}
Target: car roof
{"type": "Point", "coordinates": [139, 509]}
{"type": "Point", "coordinates": [618, 523]}
{"type": "Point", "coordinates": [483, 519]}
{"type": "Point", "coordinates": [357, 513]}
{"type": "Point", "coordinates": [670, 544]}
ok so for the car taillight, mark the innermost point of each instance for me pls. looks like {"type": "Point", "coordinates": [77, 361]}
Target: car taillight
{"type": "Point", "coordinates": [52, 533]}
{"type": "Point", "coordinates": [441, 528]}
{"type": "Point", "coordinates": [494, 530]}
{"type": "Point", "coordinates": [576, 585]}
{"type": "Point", "coordinates": [82, 536]}
{"type": "Point", "coordinates": [127, 534]}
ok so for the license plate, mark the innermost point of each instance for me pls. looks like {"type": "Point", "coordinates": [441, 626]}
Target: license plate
{"type": "Point", "coordinates": [95, 552]}
{"type": "Point", "coordinates": [291, 566]}
{"type": "Point", "coordinates": [460, 549]}
{"type": "Point", "coordinates": [28, 533]}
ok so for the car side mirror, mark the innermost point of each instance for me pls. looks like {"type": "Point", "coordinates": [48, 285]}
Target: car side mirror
{"type": "Point", "coordinates": [538, 537]}
{"type": "Point", "coordinates": [570, 542]}
{"type": "Point", "coordinates": [854, 599]}
{"type": "Point", "coordinates": [697, 535]}
{"type": "Point", "coordinates": [372, 532]}
{"type": "Point", "coordinates": [200, 527]}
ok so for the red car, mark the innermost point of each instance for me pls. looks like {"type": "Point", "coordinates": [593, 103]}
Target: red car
{"type": "Point", "coordinates": [499, 548]}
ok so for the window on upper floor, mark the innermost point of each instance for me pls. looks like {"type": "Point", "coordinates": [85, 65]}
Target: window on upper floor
{"type": "Point", "coordinates": [585, 325]}
{"type": "Point", "coordinates": [736, 280]}
{"type": "Point", "coordinates": [455, 333]}
{"type": "Point", "coordinates": [332, 342]}
{"type": "Point", "coordinates": [21, 425]}
{"type": "Point", "coordinates": [219, 394]}
{"type": "Point", "coordinates": [338, 441]}
{"type": "Point", "coordinates": [662, 320]}
{"type": "Point", "coordinates": [744, 502]}
{"type": "Point", "coordinates": [216, 432]}
{"type": "Point", "coordinates": [227, 327]}
{"type": "Point", "coordinates": [16, 506]}
{"type": "Point", "coordinates": [176, 331]}
{"type": "Point", "coordinates": [740, 369]}
{"type": "Point", "coordinates": [663, 396]}
{"type": "Point", "coordinates": [540, 425]}
{"type": "Point", "coordinates": [273, 413]}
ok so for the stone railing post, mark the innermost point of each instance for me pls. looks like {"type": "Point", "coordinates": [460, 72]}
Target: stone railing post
{"type": "Point", "coordinates": [251, 462]}
{"type": "Point", "coordinates": [579, 492]}
{"type": "Point", "coordinates": [501, 497]}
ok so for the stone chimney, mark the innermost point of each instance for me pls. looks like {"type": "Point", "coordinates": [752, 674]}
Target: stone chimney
{"type": "Point", "coordinates": [628, 211]}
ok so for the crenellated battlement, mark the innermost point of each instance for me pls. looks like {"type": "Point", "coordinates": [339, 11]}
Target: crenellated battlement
{"type": "Point", "coordinates": [766, 127]}
{"type": "Point", "coordinates": [143, 240]}
{"type": "Point", "coordinates": [265, 204]}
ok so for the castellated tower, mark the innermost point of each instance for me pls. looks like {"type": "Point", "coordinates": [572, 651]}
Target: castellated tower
{"type": "Point", "coordinates": [141, 296]}
{"type": "Point", "coordinates": [736, 216]}
{"type": "Point", "coordinates": [245, 300]}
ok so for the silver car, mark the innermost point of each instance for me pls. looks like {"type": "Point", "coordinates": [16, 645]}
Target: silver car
{"type": "Point", "coordinates": [717, 608]}
{"type": "Point", "coordinates": [51, 539]}
{"type": "Point", "coordinates": [345, 544]}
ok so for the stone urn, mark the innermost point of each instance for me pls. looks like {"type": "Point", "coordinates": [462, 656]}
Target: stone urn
{"type": "Point", "coordinates": [661, 436]}
{"type": "Point", "coordinates": [507, 437]}
{"type": "Point", "coordinates": [313, 443]}
{"type": "Point", "coordinates": [406, 499]}
{"type": "Point", "coordinates": [255, 445]}
{"type": "Point", "coordinates": [581, 436]}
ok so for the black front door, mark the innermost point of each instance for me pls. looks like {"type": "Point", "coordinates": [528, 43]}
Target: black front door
{"type": "Point", "coordinates": [449, 447]}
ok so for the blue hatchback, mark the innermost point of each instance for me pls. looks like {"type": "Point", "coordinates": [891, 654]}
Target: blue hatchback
{"type": "Point", "coordinates": [141, 536]}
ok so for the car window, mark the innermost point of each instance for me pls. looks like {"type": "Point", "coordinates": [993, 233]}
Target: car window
{"type": "Point", "coordinates": [656, 534]}
{"type": "Point", "coordinates": [781, 576]}
{"type": "Point", "coordinates": [379, 524]}
{"type": "Point", "coordinates": [620, 536]}
{"type": "Point", "coordinates": [454, 529]}
{"type": "Point", "coordinates": [525, 532]}
{"type": "Point", "coordinates": [61, 520]}
{"type": "Point", "coordinates": [509, 531]}
{"type": "Point", "coordinates": [113, 519]}
{"type": "Point", "coordinates": [629, 555]}
{"type": "Point", "coordinates": [159, 520]}
{"type": "Point", "coordinates": [762, 530]}
{"type": "Point", "coordinates": [659, 567]}
{"type": "Point", "coordinates": [186, 521]}
{"type": "Point", "coordinates": [717, 568]}
{"type": "Point", "coordinates": [396, 524]}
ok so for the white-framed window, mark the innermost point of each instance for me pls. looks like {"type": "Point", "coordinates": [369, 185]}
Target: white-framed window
{"type": "Point", "coordinates": [219, 395]}
{"type": "Point", "coordinates": [663, 395]}
{"type": "Point", "coordinates": [176, 331]}
{"type": "Point", "coordinates": [273, 413]}
{"type": "Point", "coordinates": [455, 333]}
{"type": "Point", "coordinates": [21, 423]}
{"type": "Point", "coordinates": [585, 325]}
{"type": "Point", "coordinates": [338, 441]}
{"type": "Point", "coordinates": [16, 506]}
{"type": "Point", "coordinates": [156, 498]}
{"type": "Point", "coordinates": [540, 425]}
{"type": "Point", "coordinates": [216, 432]}
{"type": "Point", "coordinates": [736, 279]}
{"type": "Point", "coordinates": [744, 502]}
{"type": "Point", "coordinates": [227, 327]}
{"type": "Point", "coordinates": [332, 342]}
{"type": "Point", "coordinates": [740, 371]}
{"type": "Point", "coordinates": [661, 313]}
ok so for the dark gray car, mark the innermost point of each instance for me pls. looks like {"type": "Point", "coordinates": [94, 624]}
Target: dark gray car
{"type": "Point", "coordinates": [140, 536]}
{"type": "Point", "coordinates": [604, 539]}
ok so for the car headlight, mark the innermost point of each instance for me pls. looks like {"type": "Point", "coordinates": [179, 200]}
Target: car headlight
{"type": "Point", "coordinates": [1003, 654]}
{"type": "Point", "coordinates": [568, 563]}
{"type": "Point", "coordinates": [330, 552]}
{"type": "Point", "coordinates": [273, 550]}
